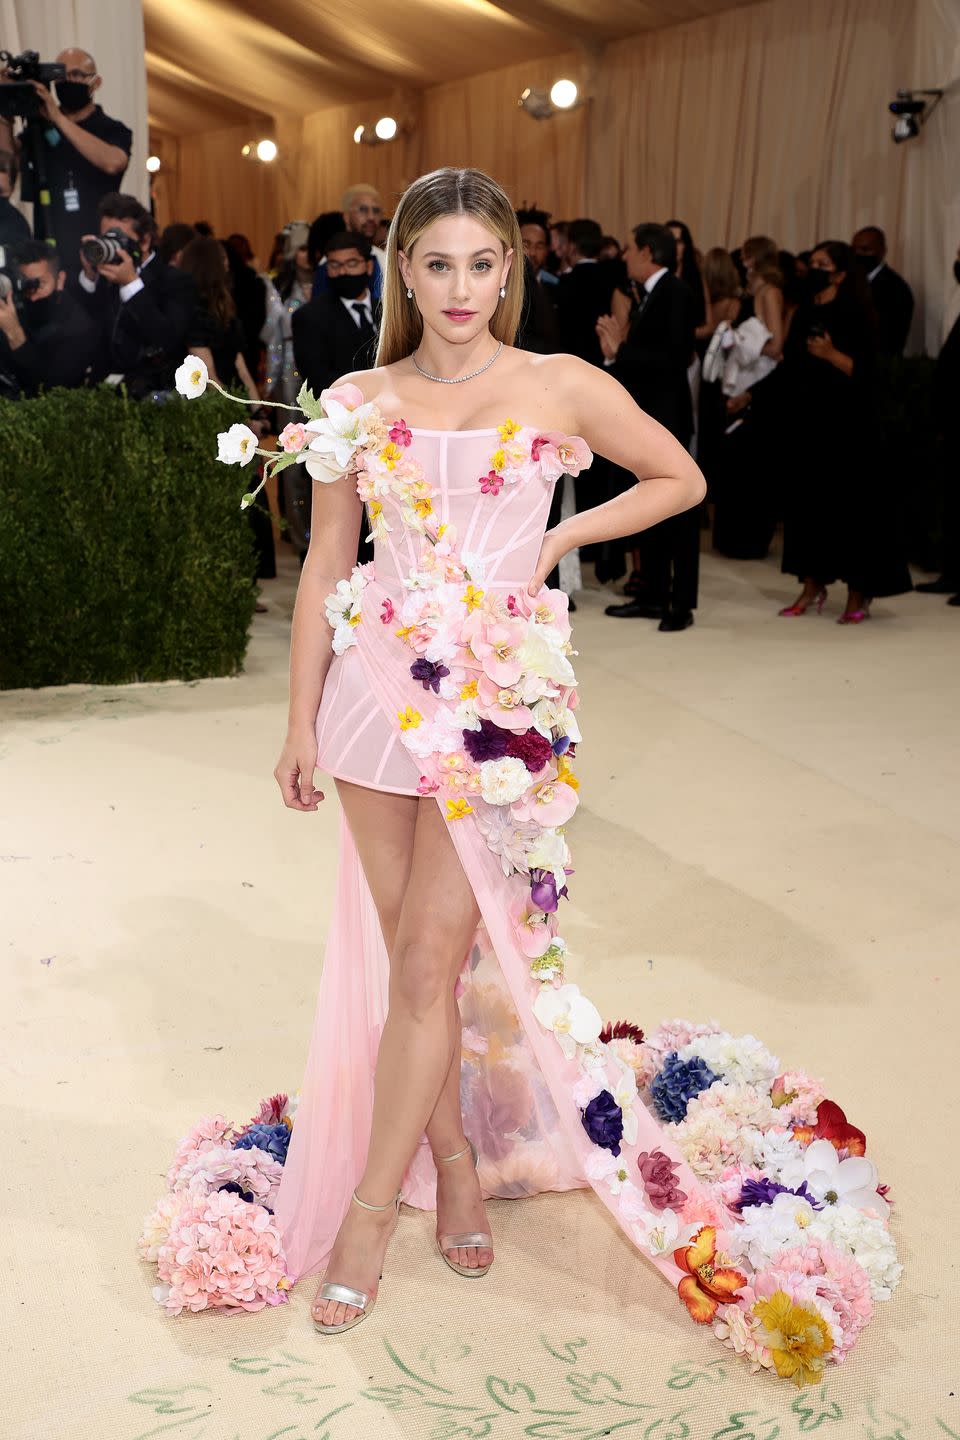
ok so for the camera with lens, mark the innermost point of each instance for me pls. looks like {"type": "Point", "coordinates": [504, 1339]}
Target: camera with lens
{"type": "Point", "coordinates": [106, 249]}
{"type": "Point", "coordinates": [12, 283]}
{"type": "Point", "coordinates": [17, 96]}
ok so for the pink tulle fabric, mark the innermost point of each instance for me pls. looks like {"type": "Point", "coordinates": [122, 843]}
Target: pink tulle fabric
{"type": "Point", "coordinates": [517, 1088]}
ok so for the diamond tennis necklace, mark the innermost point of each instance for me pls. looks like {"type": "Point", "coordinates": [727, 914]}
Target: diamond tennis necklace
{"type": "Point", "coordinates": [459, 379]}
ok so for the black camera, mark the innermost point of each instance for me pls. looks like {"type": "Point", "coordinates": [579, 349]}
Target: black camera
{"type": "Point", "coordinates": [17, 96]}
{"type": "Point", "coordinates": [12, 283]}
{"type": "Point", "coordinates": [106, 249]}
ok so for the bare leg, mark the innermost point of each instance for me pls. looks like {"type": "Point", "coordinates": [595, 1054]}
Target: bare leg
{"type": "Point", "coordinates": [437, 916]}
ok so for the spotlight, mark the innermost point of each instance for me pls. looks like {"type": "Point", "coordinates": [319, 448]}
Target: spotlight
{"type": "Point", "coordinates": [536, 103]}
{"type": "Point", "coordinates": [386, 127]}
{"type": "Point", "coordinates": [564, 94]}
{"type": "Point", "coordinates": [153, 163]}
{"type": "Point", "coordinates": [912, 112]}
{"type": "Point", "coordinates": [247, 152]}
{"type": "Point", "coordinates": [358, 134]}
{"type": "Point", "coordinates": [266, 151]}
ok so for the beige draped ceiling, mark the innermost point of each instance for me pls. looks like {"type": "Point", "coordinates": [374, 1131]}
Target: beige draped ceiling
{"type": "Point", "coordinates": [766, 117]}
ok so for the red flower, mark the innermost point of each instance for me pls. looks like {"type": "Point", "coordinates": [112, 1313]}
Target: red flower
{"type": "Point", "coordinates": [832, 1125]}
{"type": "Point", "coordinates": [621, 1030]}
{"type": "Point", "coordinates": [537, 446]}
{"type": "Point", "coordinates": [400, 434]}
{"type": "Point", "coordinates": [531, 747]}
{"type": "Point", "coordinates": [492, 483]}
{"type": "Point", "coordinates": [388, 612]}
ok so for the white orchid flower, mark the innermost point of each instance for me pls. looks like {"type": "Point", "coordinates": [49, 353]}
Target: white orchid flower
{"type": "Point", "coordinates": [536, 654]}
{"type": "Point", "coordinates": [191, 377]}
{"type": "Point", "coordinates": [335, 439]}
{"type": "Point", "coordinates": [852, 1181]}
{"type": "Point", "coordinates": [656, 1232]}
{"type": "Point", "coordinates": [573, 1018]}
{"type": "Point", "coordinates": [611, 1169]}
{"type": "Point", "coordinates": [236, 446]}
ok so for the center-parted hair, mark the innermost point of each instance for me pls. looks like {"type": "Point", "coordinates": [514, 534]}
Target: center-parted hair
{"type": "Point", "coordinates": [445, 192]}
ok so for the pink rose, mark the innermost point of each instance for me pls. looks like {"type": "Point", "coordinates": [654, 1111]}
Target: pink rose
{"type": "Point", "coordinates": [293, 438]}
{"type": "Point", "coordinates": [346, 395]}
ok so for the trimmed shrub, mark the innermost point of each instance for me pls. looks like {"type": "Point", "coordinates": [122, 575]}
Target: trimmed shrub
{"type": "Point", "coordinates": [124, 554]}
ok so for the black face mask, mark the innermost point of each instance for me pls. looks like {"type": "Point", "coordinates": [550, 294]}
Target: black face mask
{"type": "Point", "coordinates": [956, 271]}
{"type": "Point", "coordinates": [40, 312]}
{"type": "Point", "coordinates": [349, 287]}
{"type": "Point", "coordinates": [817, 281]}
{"type": "Point", "coordinates": [72, 95]}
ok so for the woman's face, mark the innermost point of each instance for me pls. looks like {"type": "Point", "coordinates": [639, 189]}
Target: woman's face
{"type": "Point", "coordinates": [302, 258]}
{"type": "Point", "coordinates": [677, 234]}
{"type": "Point", "coordinates": [455, 270]}
{"type": "Point", "coordinates": [820, 260]}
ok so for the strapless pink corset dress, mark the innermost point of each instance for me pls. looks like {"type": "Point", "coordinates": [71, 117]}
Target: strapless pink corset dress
{"type": "Point", "coordinates": [450, 682]}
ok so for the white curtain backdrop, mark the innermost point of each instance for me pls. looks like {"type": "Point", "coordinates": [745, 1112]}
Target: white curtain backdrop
{"type": "Point", "coordinates": [112, 31]}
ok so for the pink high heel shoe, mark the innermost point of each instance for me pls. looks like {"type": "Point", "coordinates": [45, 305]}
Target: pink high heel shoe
{"type": "Point", "coordinates": [802, 606]}
{"type": "Point", "coordinates": [853, 617]}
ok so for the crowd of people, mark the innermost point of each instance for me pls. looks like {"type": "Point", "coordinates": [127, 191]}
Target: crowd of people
{"type": "Point", "coordinates": [763, 362]}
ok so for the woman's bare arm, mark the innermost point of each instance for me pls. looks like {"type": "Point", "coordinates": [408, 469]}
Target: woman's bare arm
{"type": "Point", "coordinates": [770, 311]}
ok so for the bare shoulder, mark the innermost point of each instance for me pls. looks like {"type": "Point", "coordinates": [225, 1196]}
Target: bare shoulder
{"type": "Point", "coordinates": [369, 382]}
{"type": "Point", "coordinates": [550, 384]}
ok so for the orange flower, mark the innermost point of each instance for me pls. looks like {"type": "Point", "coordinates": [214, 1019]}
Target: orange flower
{"type": "Point", "coordinates": [705, 1288]}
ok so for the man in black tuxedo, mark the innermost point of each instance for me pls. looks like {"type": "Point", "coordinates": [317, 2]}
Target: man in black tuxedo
{"type": "Point", "coordinates": [650, 360]}
{"type": "Point", "coordinates": [142, 306]}
{"type": "Point", "coordinates": [584, 292]}
{"type": "Point", "coordinates": [333, 334]}
{"type": "Point", "coordinates": [51, 340]}
{"type": "Point", "coordinates": [892, 296]}
{"type": "Point", "coordinates": [336, 331]}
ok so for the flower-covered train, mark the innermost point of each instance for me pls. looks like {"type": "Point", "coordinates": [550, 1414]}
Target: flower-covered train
{"type": "Point", "coordinates": [790, 1249]}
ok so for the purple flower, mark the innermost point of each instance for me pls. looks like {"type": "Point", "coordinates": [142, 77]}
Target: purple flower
{"type": "Point", "coordinates": [659, 1181]}
{"type": "Point", "coordinates": [603, 1122]}
{"type": "Point", "coordinates": [487, 743]}
{"type": "Point", "coordinates": [561, 744]}
{"type": "Point", "coordinates": [429, 674]}
{"type": "Point", "coordinates": [764, 1192]}
{"type": "Point", "coordinates": [543, 890]}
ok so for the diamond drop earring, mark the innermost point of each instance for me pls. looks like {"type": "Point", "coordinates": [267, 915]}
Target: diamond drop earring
{"type": "Point", "coordinates": [409, 293]}
{"type": "Point", "coordinates": [503, 292]}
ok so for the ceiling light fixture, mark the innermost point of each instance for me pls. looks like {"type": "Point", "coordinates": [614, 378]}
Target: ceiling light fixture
{"type": "Point", "coordinates": [544, 104]}
{"type": "Point", "coordinates": [153, 163]}
{"type": "Point", "coordinates": [564, 94]}
{"type": "Point", "coordinates": [266, 151]}
{"type": "Point", "coordinates": [386, 128]}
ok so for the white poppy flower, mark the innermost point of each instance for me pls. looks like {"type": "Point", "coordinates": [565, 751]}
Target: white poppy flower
{"type": "Point", "coordinates": [236, 446]}
{"type": "Point", "coordinates": [573, 1018]}
{"type": "Point", "coordinates": [191, 377]}
{"type": "Point", "coordinates": [503, 781]}
{"type": "Point", "coordinates": [852, 1181]}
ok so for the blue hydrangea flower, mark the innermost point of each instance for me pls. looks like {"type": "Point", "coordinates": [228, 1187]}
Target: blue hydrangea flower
{"type": "Point", "coordinates": [676, 1085]}
{"type": "Point", "coordinates": [273, 1138]}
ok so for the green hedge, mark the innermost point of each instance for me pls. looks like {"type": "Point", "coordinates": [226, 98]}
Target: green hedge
{"type": "Point", "coordinates": [124, 554]}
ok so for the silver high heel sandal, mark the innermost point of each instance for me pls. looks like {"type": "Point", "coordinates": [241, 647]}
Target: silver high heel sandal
{"type": "Point", "coordinates": [330, 1290]}
{"type": "Point", "coordinates": [457, 1242]}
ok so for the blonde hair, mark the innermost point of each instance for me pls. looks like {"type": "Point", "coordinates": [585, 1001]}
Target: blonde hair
{"type": "Point", "coordinates": [353, 193]}
{"type": "Point", "coordinates": [444, 192]}
{"type": "Point", "coordinates": [764, 256]}
{"type": "Point", "coordinates": [720, 275]}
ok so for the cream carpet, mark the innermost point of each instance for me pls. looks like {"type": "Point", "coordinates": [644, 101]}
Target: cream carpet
{"type": "Point", "coordinates": [769, 836]}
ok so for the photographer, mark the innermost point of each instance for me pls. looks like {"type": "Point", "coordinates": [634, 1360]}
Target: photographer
{"type": "Point", "coordinates": [14, 229]}
{"type": "Point", "coordinates": [84, 153]}
{"type": "Point", "coordinates": [46, 339]}
{"type": "Point", "coordinates": [142, 305]}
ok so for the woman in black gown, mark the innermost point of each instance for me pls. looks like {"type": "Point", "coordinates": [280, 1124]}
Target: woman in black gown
{"type": "Point", "coordinates": [840, 521]}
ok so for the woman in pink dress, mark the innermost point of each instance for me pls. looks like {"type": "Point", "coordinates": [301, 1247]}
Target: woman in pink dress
{"type": "Point", "coordinates": [449, 1059]}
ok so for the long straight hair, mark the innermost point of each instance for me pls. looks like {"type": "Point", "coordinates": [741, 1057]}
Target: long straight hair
{"type": "Point", "coordinates": [444, 192]}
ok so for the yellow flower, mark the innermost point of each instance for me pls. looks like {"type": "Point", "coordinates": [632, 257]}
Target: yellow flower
{"type": "Point", "coordinates": [441, 530]}
{"type": "Point", "coordinates": [404, 631]}
{"type": "Point", "coordinates": [507, 430]}
{"type": "Point", "coordinates": [391, 455]}
{"type": "Point", "coordinates": [470, 690]}
{"type": "Point", "coordinates": [565, 774]}
{"type": "Point", "coordinates": [798, 1337]}
{"type": "Point", "coordinates": [355, 619]}
{"type": "Point", "coordinates": [457, 809]}
{"type": "Point", "coordinates": [498, 459]}
{"type": "Point", "coordinates": [423, 508]}
{"type": "Point", "coordinates": [409, 718]}
{"type": "Point", "coordinates": [472, 597]}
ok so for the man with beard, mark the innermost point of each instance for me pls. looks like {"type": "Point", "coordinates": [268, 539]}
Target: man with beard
{"type": "Point", "coordinates": [86, 153]}
{"type": "Point", "coordinates": [50, 340]}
